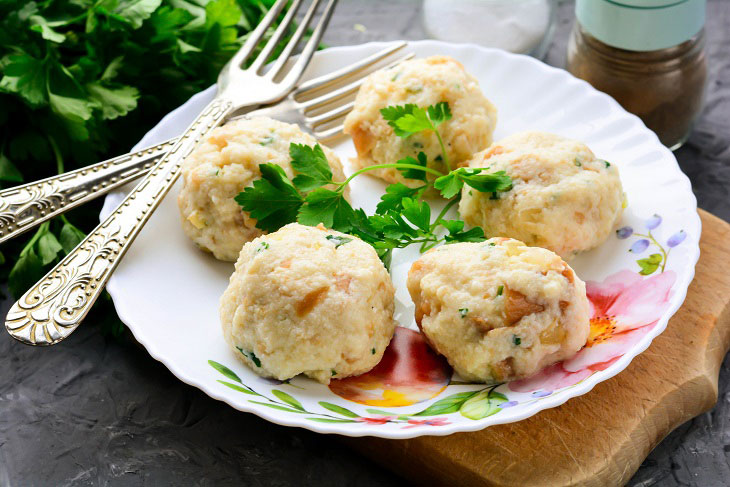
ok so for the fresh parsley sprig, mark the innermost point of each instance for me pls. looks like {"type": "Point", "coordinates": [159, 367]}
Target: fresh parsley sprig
{"type": "Point", "coordinates": [401, 218]}
{"type": "Point", "coordinates": [275, 200]}
{"type": "Point", "coordinates": [410, 119]}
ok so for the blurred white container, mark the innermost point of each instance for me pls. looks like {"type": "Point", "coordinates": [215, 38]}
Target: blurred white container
{"type": "Point", "coordinates": [520, 26]}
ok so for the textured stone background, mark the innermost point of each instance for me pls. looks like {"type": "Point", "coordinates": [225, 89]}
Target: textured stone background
{"type": "Point", "coordinates": [93, 411]}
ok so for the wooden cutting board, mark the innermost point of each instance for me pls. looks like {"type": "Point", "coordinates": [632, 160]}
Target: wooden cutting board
{"type": "Point", "coordinates": [602, 437]}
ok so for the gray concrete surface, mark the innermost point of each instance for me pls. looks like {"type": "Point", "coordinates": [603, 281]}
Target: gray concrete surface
{"type": "Point", "coordinates": [94, 411]}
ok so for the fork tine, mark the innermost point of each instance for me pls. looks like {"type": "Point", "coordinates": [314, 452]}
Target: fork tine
{"type": "Point", "coordinates": [257, 34]}
{"type": "Point", "coordinates": [276, 37]}
{"type": "Point", "coordinates": [352, 69]}
{"type": "Point", "coordinates": [306, 55]}
{"type": "Point", "coordinates": [329, 133]}
{"type": "Point", "coordinates": [329, 116]}
{"type": "Point", "coordinates": [344, 90]}
{"type": "Point", "coordinates": [292, 44]}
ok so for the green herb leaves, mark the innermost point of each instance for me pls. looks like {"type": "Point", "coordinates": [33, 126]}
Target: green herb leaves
{"type": "Point", "coordinates": [450, 185]}
{"type": "Point", "coordinates": [411, 172]}
{"type": "Point", "coordinates": [410, 119]}
{"type": "Point", "coordinates": [312, 166]}
{"type": "Point", "coordinates": [42, 249]}
{"type": "Point", "coordinates": [327, 207]}
{"type": "Point", "coordinates": [272, 200]}
{"type": "Point", "coordinates": [338, 241]}
{"type": "Point", "coordinates": [25, 76]}
{"type": "Point", "coordinates": [401, 218]}
{"type": "Point", "coordinates": [250, 355]}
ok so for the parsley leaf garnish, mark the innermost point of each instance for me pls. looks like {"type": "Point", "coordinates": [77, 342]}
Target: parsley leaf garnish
{"type": "Point", "coordinates": [411, 173]}
{"type": "Point", "coordinates": [401, 217]}
{"type": "Point", "coordinates": [410, 119]}
{"type": "Point", "coordinates": [439, 113]}
{"type": "Point", "coordinates": [272, 200]}
{"type": "Point", "coordinates": [312, 166]}
{"type": "Point", "coordinates": [393, 197]}
{"type": "Point", "coordinates": [327, 207]}
{"type": "Point", "coordinates": [451, 184]}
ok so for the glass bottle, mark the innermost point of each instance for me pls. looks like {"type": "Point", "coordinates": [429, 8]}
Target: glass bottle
{"type": "Point", "coordinates": [520, 26]}
{"type": "Point", "coordinates": [647, 54]}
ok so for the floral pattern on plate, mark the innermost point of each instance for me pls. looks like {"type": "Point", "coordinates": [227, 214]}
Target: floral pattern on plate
{"type": "Point", "coordinates": [624, 308]}
{"type": "Point", "coordinates": [409, 372]}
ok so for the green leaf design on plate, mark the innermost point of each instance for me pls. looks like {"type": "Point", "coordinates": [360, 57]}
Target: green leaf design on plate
{"type": "Point", "coordinates": [381, 412]}
{"type": "Point", "coordinates": [287, 399]}
{"type": "Point", "coordinates": [276, 406]}
{"type": "Point", "coordinates": [238, 388]}
{"type": "Point", "coordinates": [650, 264]}
{"type": "Point", "coordinates": [449, 404]}
{"type": "Point", "coordinates": [328, 420]}
{"type": "Point", "coordinates": [483, 404]}
{"type": "Point", "coordinates": [338, 409]}
{"type": "Point", "coordinates": [224, 370]}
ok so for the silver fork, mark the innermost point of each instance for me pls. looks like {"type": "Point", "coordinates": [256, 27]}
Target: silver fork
{"type": "Point", "coordinates": [53, 308]}
{"type": "Point", "coordinates": [318, 106]}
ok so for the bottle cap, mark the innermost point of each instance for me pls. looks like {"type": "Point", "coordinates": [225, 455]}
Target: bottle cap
{"type": "Point", "coordinates": [641, 25]}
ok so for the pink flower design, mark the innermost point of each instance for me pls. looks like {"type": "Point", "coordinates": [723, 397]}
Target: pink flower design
{"type": "Point", "coordinates": [409, 372]}
{"type": "Point", "coordinates": [625, 307]}
{"type": "Point", "coordinates": [414, 423]}
{"type": "Point", "coordinates": [380, 420]}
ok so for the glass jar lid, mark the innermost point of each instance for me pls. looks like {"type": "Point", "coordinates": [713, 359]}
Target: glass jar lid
{"type": "Point", "coordinates": [641, 25]}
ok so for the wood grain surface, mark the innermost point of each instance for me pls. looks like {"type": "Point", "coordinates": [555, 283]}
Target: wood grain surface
{"type": "Point", "coordinates": [602, 437]}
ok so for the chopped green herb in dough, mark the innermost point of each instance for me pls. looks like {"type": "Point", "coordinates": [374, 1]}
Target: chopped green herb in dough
{"type": "Point", "coordinates": [337, 240]}
{"type": "Point", "coordinates": [251, 356]}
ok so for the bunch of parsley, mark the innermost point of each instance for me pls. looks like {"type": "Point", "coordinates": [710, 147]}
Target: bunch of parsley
{"type": "Point", "coordinates": [401, 218]}
{"type": "Point", "coordinates": [83, 80]}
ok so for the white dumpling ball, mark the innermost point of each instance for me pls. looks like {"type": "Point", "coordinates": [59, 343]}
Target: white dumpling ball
{"type": "Point", "coordinates": [225, 163]}
{"type": "Point", "coordinates": [423, 82]}
{"type": "Point", "coordinates": [563, 198]}
{"type": "Point", "coordinates": [306, 300]}
{"type": "Point", "coordinates": [499, 310]}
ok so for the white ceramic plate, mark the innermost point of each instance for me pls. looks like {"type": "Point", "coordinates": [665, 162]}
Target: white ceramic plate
{"type": "Point", "coordinates": [167, 291]}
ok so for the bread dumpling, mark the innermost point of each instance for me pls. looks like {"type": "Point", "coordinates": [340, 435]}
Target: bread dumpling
{"type": "Point", "coordinates": [306, 300]}
{"type": "Point", "coordinates": [422, 82]}
{"type": "Point", "coordinates": [499, 310]}
{"type": "Point", "coordinates": [221, 167]}
{"type": "Point", "coordinates": [563, 197]}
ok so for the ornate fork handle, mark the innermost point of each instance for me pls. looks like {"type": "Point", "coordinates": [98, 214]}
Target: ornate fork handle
{"type": "Point", "coordinates": [23, 207]}
{"type": "Point", "coordinates": [52, 309]}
